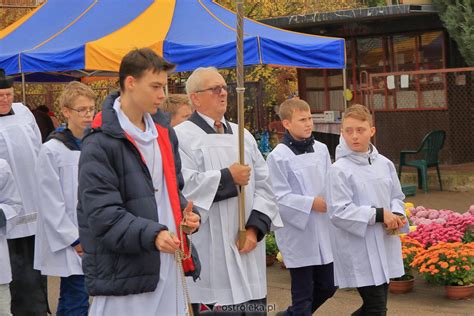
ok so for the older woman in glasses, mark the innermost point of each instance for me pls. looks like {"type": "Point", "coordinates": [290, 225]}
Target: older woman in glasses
{"type": "Point", "coordinates": [233, 276]}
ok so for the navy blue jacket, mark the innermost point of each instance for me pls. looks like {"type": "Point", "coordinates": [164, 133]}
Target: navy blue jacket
{"type": "Point", "coordinates": [117, 211]}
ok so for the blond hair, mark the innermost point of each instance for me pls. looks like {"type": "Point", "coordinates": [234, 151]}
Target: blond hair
{"type": "Point", "coordinates": [289, 106]}
{"type": "Point", "coordinates": [359, 112]}
{"type": "Point", "coordinates": [173, 102]}
{"type": "Point", "coordinates": [73, 90]}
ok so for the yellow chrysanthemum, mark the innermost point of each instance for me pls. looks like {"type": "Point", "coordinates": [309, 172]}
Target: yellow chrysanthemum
{"type": "Point", "coordinates": [279, 257]}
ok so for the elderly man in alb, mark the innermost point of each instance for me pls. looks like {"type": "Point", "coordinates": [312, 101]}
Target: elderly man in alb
{"type": "Point", "coordinates": [20, 142]}
{"type": "Point", "coordinates": [233, 276]}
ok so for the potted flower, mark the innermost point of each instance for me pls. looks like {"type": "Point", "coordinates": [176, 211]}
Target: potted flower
{"type": "Point", "coordinates": [271, 248]}
{"type": "Point", "coordinates": [448, 264]}
{"type": "Point", "coordinates": [404, 284]}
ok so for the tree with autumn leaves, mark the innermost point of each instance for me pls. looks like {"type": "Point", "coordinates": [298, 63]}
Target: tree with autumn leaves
{"type": "Point", "coordinates": [263, 9]}
{"type": "Point", "coordinates": [280, 83]}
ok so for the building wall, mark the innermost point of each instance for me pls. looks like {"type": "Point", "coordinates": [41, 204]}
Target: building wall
{"type": "Point", "coordinates": [461, 117]}
{"type": "Point", "coordinates": [403, 126]}
{"type": "Point", "coordinates": [397, 131]}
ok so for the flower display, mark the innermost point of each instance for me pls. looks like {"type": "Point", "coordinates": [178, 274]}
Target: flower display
{"type": "Point", "coordinates": [432, 234]}
{"type": "Point", "coordinates": [410, 248]}
{"type": "Point", "coordinates": [422, 216]}
{"type": "Point", "coordinates": [434, 226]}
{"type": "Point", "coordinates": [446, 263]}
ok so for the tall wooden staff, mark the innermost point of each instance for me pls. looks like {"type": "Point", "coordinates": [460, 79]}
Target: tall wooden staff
{"type": "Point", "coordinates": [240, 112]}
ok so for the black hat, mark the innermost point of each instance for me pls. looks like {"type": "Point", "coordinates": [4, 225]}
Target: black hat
{"type": "Point", "coordinates": [4, 81]}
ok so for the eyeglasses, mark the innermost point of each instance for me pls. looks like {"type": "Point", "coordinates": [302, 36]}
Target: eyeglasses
{"type": "Point", "coordinates": [83, 111]}
{"type": "Point", "coordinates": [215, 90]}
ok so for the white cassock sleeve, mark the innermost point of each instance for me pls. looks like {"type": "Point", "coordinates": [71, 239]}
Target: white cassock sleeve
{"type": "Point", "coordinates": [60, 230]}
{"type": "Point", "coordinates": [294, 208]}
{"type": "Point", "coordinates": [344, 214]}
{"type": "Point", "coordinates": [38, 139]}
{"type": "Point", "coordinates": [397, 197]}
{"type": "Point", "coordinates": [200, 187]}
{"type": "Point", "coordinates": [10, 201]}
{"type": "Point", "coordinates": [264, 198]}
{"type": "Point", "coordinates": [324, 194]}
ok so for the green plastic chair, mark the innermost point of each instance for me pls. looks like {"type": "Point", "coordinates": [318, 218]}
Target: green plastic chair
{"type": "Point", "coordinates": [430, 146]}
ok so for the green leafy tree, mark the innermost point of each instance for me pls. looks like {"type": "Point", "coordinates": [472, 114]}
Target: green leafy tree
{"type": "Point", "coordinates": [458, 18]}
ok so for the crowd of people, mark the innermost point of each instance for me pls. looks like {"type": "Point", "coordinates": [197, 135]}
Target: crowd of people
{"type": "Point", "coordinates": [135, 208]}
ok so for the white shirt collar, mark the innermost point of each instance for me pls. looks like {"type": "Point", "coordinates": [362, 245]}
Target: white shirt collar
{"type": "Point", "coordinates": [211, 121]}
{"type": "Point", "coordinates": [136, 133]}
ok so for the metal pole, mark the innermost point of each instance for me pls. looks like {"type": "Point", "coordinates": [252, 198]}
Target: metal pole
{"type": "Point", "coordinates": [344, 86]}
{"type": "Point", "coordinates": [240, 112]}
{"type": "Point", "coordinates": [23, 88]}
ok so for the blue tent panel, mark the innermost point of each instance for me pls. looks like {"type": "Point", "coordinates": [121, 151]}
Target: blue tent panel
{"type": "Point", "coordinates": [65, 51]}
{"type": "Point", "coordinates": [210, 41]}
{"type": "Point", "coordinates": [201, 33]}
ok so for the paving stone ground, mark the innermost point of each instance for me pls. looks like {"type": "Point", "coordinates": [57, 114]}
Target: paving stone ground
{"type": "Point", "coordinates": [424, 300]}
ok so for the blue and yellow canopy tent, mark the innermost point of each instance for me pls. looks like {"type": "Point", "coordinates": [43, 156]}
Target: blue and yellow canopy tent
{"type": "Point", "coordinates": [93, 35]}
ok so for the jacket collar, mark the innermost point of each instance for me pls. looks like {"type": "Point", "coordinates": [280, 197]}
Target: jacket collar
{"type": "Point", "coordinates": [107, 121]}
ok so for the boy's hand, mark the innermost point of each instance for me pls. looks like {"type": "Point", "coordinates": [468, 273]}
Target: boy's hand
{"type": "Point", "coordinates": [79, 250]}
{"type": "Point", "coordinates": [190, 218]}
{"type": "Point", "coordinates": [319, 205]}
{"type": "Point", "coordinates": [240, 173]}
{"type": "Point", "coordinates": [166, 242]}
{"type": "Point", "coordinates": [250, 241]}
{"type": "Point", "coordinates": [392, 221]}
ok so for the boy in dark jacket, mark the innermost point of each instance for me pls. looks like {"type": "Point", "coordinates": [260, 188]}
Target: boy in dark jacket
{"type": "Point", "coordinates": [130, 205]}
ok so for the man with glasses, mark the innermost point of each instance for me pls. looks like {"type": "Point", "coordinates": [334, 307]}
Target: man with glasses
{"type": "Point", "coordinates": [233, 277]}
{"type": "Point", "coordinates": [20, 142]}
{"type": "Point", "coordinates": [58, 250]}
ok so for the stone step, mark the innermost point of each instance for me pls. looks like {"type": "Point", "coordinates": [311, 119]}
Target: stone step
{"type": "Point", "coordinates": [452, 181]}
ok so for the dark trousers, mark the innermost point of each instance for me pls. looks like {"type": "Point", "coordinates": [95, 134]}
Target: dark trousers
{"type": "Point", "coordinates": [28, 288]}
{"type": "Point", "coordinates": [310, 288]}
{"type": "Point", "coordinates": [250, 308]}
{"type": "Point", "coordinates": [73, 297]}
{"type": "Point", "coordinates": [374, 300]}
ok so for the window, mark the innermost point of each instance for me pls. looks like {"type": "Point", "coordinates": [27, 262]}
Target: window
{"type": "Point", "coordinates": [383, 54]}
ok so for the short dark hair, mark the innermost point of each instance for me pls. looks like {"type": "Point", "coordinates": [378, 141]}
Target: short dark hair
{"type": "Point", "coordinates": [137, 61]}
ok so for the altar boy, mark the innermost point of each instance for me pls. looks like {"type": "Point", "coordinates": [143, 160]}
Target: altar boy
{"type": "Point", "coordinates": [58, 250]}
{"type": "Point", "coordinates": [365, 207]}
{"type": "Point", "coordinates": [298, 169]}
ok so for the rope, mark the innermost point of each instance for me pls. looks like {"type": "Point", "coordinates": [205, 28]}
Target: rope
{"type": "Point", "coordinates": [180, 256]}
